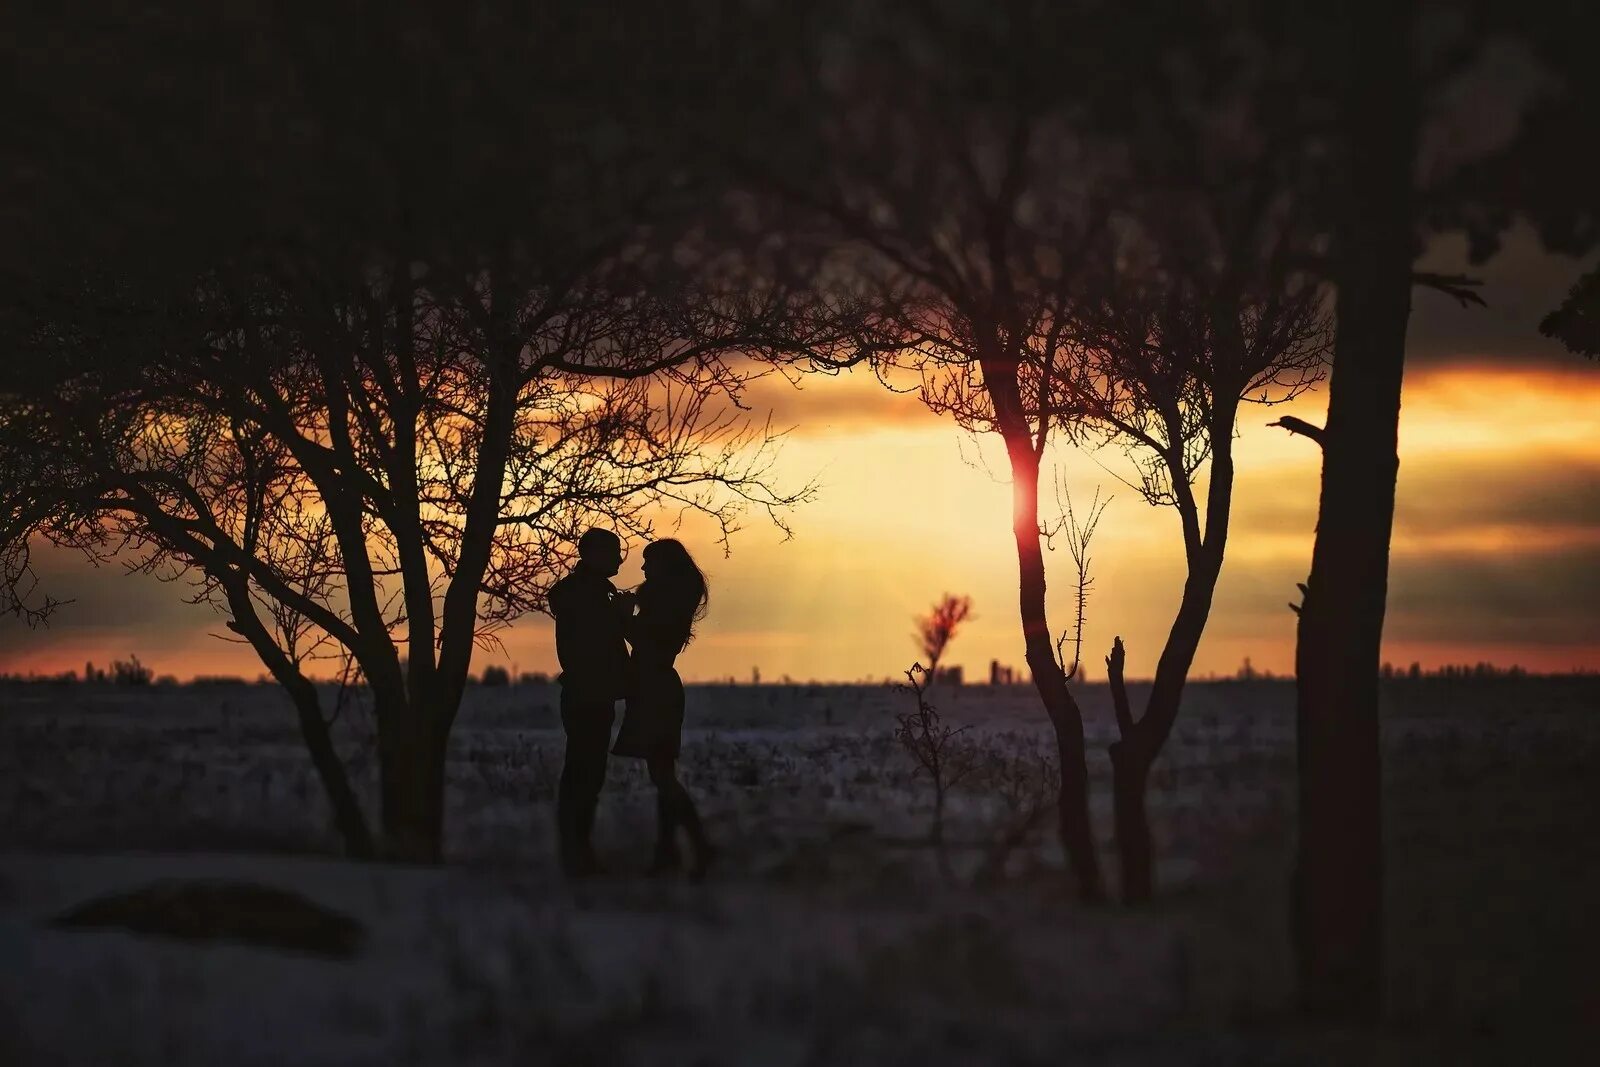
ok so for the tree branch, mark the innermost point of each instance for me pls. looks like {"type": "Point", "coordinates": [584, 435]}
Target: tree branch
{"type": "Point", "coordinates": [1459, 287]}
{"type": "Point", "coordinates": [1119, 690]}
{"type": "Point", "coordinates": [1301, 427]}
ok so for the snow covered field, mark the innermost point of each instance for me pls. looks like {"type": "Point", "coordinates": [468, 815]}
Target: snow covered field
{"type": "Point", "coordinates": [827, 933]}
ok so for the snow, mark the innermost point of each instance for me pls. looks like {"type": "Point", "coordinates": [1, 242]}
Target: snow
{"type": "Point", "coordinates": [826, 934]}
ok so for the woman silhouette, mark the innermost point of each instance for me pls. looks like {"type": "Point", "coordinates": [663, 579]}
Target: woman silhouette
{"type": "Point", "coordinates": [669, 603]}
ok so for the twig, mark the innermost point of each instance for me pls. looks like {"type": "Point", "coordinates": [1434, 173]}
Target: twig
{"type": "Point", "coordinates": [1078, 538]}
{"type": "Point", "coordinates": [1119, 689]}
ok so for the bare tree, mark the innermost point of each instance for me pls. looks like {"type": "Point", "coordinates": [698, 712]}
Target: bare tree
{"type": "Point", "coordinates": [1026, 785]}
{"type": "Point", "coordinates": [403, 499]}
{"type": "Point", "coordinates": [1213, 312]}
{"type": "Point", "coordinates": [369, 404]}
{"type": "Point", "coordinates": [965, 195]}
{"type": "Point", "coordinates": [938, 628]}
{"type": "Point", "coordinates": [1054, 278]}
{"type": "Point", "coordinates": [939, 753]}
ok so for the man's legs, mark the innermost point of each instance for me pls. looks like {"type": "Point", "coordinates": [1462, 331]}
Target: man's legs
{"type": "Point", "coordinates": [583, 775]}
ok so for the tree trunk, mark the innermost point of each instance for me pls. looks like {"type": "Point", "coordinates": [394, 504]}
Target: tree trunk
{"type": "Point", "coordinates": [1130, 777]}
{"type": "Point", "coordinates": [1072, 809]}
{"type": "Point", "coordinates": [1338, 885]}
{"type": "Point", "coordinates": [347, 814]}
{"type": "Point", "coordinates": [411, 762]}
{"type": "Point", "coordinates": [1141, 743]}
{"type": "Point", "coordinates": [1077, 834]}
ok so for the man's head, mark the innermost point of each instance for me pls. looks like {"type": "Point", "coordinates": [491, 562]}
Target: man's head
{"type": "Point", "coordinates": [601, 551]}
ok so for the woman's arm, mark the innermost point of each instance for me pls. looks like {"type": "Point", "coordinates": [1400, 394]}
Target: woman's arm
{"type": "Point", "coordinates": [658, 627]}
{"type": "Point", "coordinates": [626, 604]}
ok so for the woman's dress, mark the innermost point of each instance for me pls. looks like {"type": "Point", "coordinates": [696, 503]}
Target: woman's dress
{"type": "Point", "coordinates": [652, 721]}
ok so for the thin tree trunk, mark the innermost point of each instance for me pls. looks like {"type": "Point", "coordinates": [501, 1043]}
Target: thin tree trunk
{"type": "Point", "coordinates": [1077, 835]}
{"type": "Point", "coordinates": [1010, 419]}
{"type": "Point", "coordinates": [941, 853]}
{"type": "Point", "coordinates": [1141, 742]}
{"type": "Point", "coordinates": [1130, 777]}
{"type": "Point", "coordinates": [347, 812]}
{"type": "Point", "coordinates": [1338, 883]}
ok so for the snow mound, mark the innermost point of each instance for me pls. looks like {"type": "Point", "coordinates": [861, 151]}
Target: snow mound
{"type": "Point", "coordinates": [223, 911]}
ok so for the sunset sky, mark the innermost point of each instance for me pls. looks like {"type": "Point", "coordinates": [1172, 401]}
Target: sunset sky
{"type": "Point", "coordinates": [1496, 547]}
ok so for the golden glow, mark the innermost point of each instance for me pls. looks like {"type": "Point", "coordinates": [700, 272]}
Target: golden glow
{"type": "Point", "coordinates": [909, 508]}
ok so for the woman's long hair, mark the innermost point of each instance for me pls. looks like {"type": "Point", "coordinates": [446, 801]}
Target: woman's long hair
{"type": "Point", "coordinates": [677, 586]}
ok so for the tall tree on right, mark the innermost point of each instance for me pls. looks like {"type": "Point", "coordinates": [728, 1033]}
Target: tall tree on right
{"type": "Point", "coordinates": [1338, 905]}
{"type": "Point", "coordinates": [1384, 65]}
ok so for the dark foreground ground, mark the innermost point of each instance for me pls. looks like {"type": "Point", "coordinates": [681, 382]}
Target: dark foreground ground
{"type": "Point", "coordinates": [828, 933]}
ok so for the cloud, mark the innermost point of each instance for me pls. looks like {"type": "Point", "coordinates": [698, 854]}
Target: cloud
{"type": "Point", "coordinates": [1452, 597]}
{"type": "Point", "coordinates": [1497, 541]}
{"type": "Point", "coordinates": [852, 401]}
{"type": "Point", "coordinates": [1552, 598]}
{"type": "Point", "coordinates": [1439, 495]}
{"type": "Point", "coordinates": [105, 600]}
{"type": "Point", "coordinates": [1520, 285]}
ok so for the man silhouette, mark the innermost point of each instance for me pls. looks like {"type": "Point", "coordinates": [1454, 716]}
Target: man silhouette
{"type": "Point", "coordinates": [594, 663]}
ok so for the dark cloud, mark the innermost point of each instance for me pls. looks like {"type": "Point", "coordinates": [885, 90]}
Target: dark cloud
{"type": "Point", "coordinates": [1520, 285]}
{"type": "Point", "coordinates": [107, 599]}
{"type": "Point", "coordinates": [1546, 594]}
{"type": "Point", "coordinates": [1551, 598]}
{"type": "Point", "coordinates": [1441, 493]}
{"type": "Point", "coordinates": [1548, 598]}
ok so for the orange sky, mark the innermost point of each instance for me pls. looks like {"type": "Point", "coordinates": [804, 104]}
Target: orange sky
{"type": "Point", "coordinates": [1496, 543]}
{"type": "Point", "coordinates": [1496, 547]}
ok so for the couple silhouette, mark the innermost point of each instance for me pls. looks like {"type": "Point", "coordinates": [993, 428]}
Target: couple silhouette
{"type": "Point", "coordinates": [596, 626]}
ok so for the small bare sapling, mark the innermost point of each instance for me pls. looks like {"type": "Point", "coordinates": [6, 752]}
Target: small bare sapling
{"type": "Point", "coordinates": [934, 745]}
{"type": "Point", "coordinates": [1026, 785]}
{"type": "Point", "coordinates": [938, 628]}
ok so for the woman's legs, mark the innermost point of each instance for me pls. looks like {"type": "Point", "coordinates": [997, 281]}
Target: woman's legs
{"type": "Point", "coordinates": [662, 776]}
{"type": "Point", "coordinates": [675, 808]}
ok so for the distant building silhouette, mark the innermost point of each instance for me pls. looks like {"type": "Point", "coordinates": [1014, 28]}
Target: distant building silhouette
{"type": "Point", "coordinates": [1000, 674]}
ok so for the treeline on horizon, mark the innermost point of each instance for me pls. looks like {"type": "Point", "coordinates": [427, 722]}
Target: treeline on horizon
{"type": "Point", "coordinates": [132, 674]}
